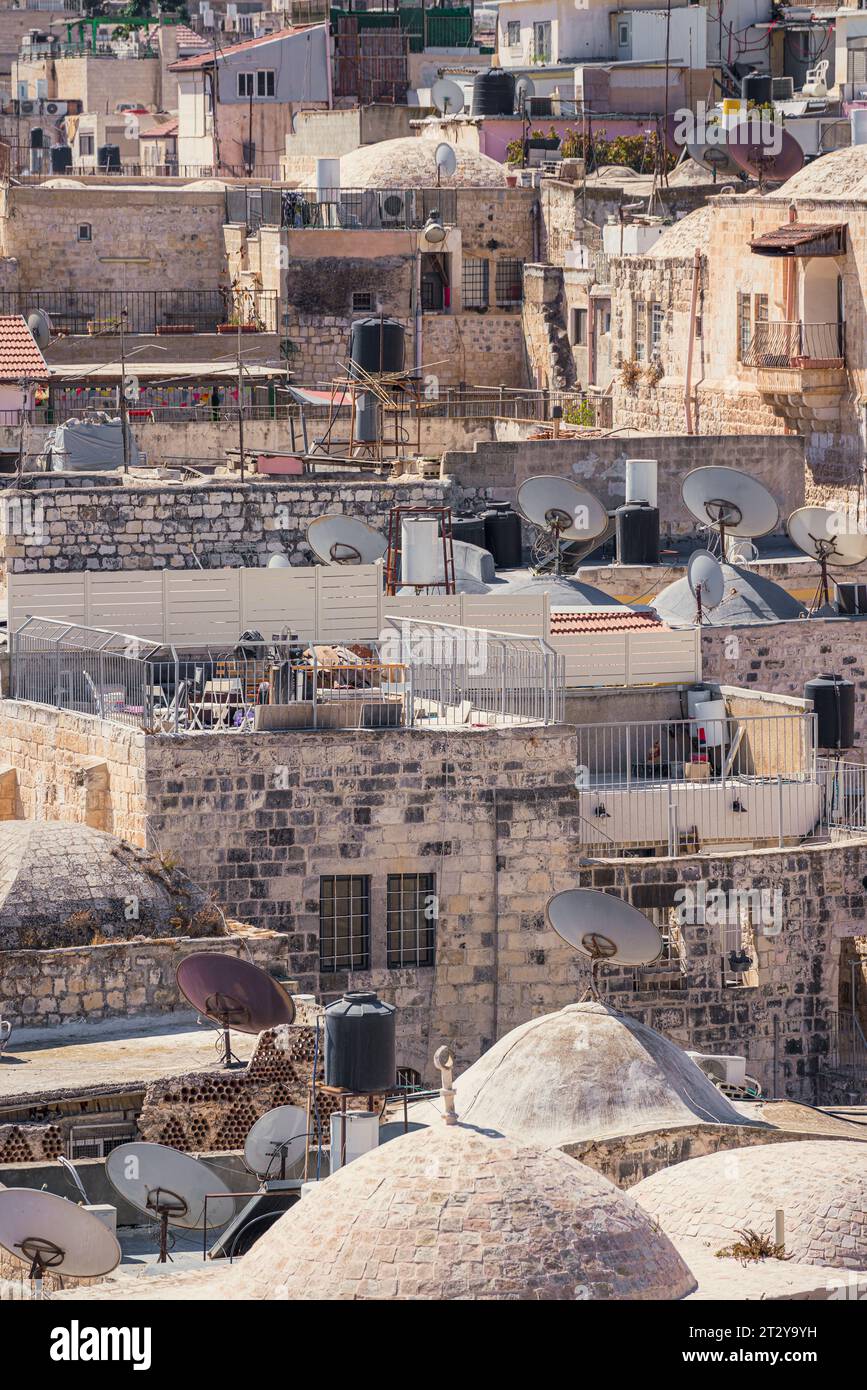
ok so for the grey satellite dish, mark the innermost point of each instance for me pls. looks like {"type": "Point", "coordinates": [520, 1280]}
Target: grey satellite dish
{"type": "Point", "coordinates": [344, 540]}
{"type": "Point", "coordinates": [525, 88]}
{"type": "Point", "coordinates": [603, 927]}
{"type": "Point", "coordinates": [40, 326]}
{"type": "Point", "coordinates": [447, 97]}
{"type": "Point", "coordinates": [170, 1186]}
{"type": "Point", "coordinates": [706, 581]}
{"type": "Point", "coordinates": [279, 562]}
{"type": "Point", "coordinates": [561, 508]}
{"type": "Point", "coordinates": [446, 160]}
{"type": "Point", "coordinates": [825, 535]}
{"type": "Point", "coordinates": [277, 1142]}
{"type": "Point", "coordinates": [731, 502]}
{"type": "Point", "coordinates": [52, 1234]}
{"type": "Point", "coordinates": [714, 158]}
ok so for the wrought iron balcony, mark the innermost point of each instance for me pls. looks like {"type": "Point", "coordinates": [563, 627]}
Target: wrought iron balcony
{"type": "Point", "coordinates": [796, 345]}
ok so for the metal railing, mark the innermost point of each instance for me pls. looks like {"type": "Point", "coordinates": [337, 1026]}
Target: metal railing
{"type": "Point", "coordinates": [160, 312]}
{"type": "Point", "coordinates": [795, 344]}
{"type": "Point", "coordinates": [847, 1046]}
{"type": "Point", "coordinates": [514, 403]}
{"type": "Point", "coordinates": [844, 786]}
{"type": "Point", "coordinates": [340, 209]}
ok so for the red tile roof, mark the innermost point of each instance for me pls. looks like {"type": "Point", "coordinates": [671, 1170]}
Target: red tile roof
{"type": "Point", "coordinates": [205, 60]}
{"type": "Point", "coordinates": [571, 621]}
{"type": "Point", "coordinates": [19, 355]}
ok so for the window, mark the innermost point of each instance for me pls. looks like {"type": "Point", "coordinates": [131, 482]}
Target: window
{"type": "Point", "coordinates": [474, 282]}
{"type": "Point", "coordinates": [85, 145]}
{"type": "Point", "coordinates": [657, 319]}
{"type": "Point", "coordinates": [84, 231]}
{"type": "Point", "coordinates": [639, 330]}
{"type": "Point", "coordinates": [542, 41]}
{"type": "Point", "coordinates": [245, 83]}
{"type": "Point", "coordinates": [409, 1079]}
{"type": "Point", "coordinates": [411, 912]}
{"type": "Point", "coordinates": [344, 922]}
{"type": "Point", "coordinates": [265, 82]}
{"type": "Point", "coordinates": [745, 326]}
{"type": "Point", "coordinates": [623, 35]}
{"type": "Point", "coordinates": [509, 284]}
{"type": "Point", "coordinates": [760, 308]}
{"type": "Point", "coordinates": [362, 301]}
{"type": "Point", "coordinates": [513, 33]}
{"type": "Point", "coordinates": [579, 327]}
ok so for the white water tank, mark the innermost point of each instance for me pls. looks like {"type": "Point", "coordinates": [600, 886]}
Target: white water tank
{"type": "Point", "coordinates": [858, 120]}
{"type": "Point", "coordinates": [421, 551]}
{"type": "Point", "coordinates": [362, 1135]}
{"type": "Point", "coordinates": [641, 481]}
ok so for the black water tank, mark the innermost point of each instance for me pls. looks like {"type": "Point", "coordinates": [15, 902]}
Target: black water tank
{"type": "Point", "coordinates": [470, 529]}
{"type": "Point", "coordinates": [852, 598]}
{"type": "Point", "coordinates": [758, 87]}
{"type": "Point", "coordinates": [637, 525]}
{"type": "Point", "coordinates": [493, 93]}
{"type": "Point", "coordinates": [61, 158]}
{"type": "Point", "coordinates": [108, 157]}
{"type": "Point", "coordinates": [377, 345]}
{"type": "Point", "coordinates": [37, 138]}
{"type": "Point", "coordinates": [359, 1044]}
{"type": "Point", "coordinates": [834, 704]}
{"type": "Point", "coordinates": [503, 536]}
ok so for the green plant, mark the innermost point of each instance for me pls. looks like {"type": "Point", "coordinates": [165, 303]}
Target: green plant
{"type": "Point", "coordinates": [515, 152]}
{"type": "Point", "coordinates": [580, 413]}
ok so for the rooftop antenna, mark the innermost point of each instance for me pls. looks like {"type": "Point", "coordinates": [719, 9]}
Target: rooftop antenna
{"type": "Point", "coordinates": [603, 927]}
{"type": "Point", "coordinates": [730, 502]}
{"type": "Point", "coordinates": [824, 535]}
{"type": "Point", "coordinates": [233, 994]}
{"type": "Point", "coordinates": [344, 540]}
{"type": "Point", "coordinates": [706, 581]}
{"type": "Point", "coordinates": [563, 510]}
{"type": "Point", "coordinates": [171, 1186]}
{"type": "Point", "coordinates": [51, 1234]}
{"type": "Point", "coordinates": [447, 97]}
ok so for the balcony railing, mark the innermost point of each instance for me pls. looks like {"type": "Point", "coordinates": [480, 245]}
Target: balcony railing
{"type": "Point", "coordinates": [796, 345]}
{"type": "Point", "coordinates": [847, 1049]}
{"type": "Point", "coordinates": [340, 209]}
{"type": "Point", "coordinates": [98, 312]}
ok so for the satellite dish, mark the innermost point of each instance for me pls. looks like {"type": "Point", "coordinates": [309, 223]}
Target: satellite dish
{"type": "Point", "coordinates": [171, 1186]}
{"type": "Point", "coordinates": [233, 994]}
{"type": "Point", "coordinates": [279, 562]}
{"type": "Point", "coordinates": [822, 534]}
{"type": "Point", "coordinates": [561, 508]}
{"type": "Point", "coordinates": [525, 88]}
{"type": "Point", "coordinates": [277, 1141]}
{"type": "Point", "coordinates": [730, 501]}
{"type": "Point", "coordinates": [40, 326]}
{"type": "Point", "coordinates": [603, 927]}
{"type": "Point", "coordinates": [54, 1234]}
{"type": "Point", "coordinates": [446, 160]}
{"type": "Point", "coordinates": [447, 97]}
{"type": "Point", "coordinates": [706, 581]}
{"type": "Point", "coordinates": [344, 540]}
{"type": "Point", "coordinates": [767, 152]}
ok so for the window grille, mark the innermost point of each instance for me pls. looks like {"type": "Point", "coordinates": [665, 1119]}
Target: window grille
{"type": "Point", "coordinates": [410, 920]}
{"type": "Point", "coordinates": [344, 922]}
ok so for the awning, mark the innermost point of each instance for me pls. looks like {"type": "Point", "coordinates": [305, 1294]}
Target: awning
{"type": "Point", "coordinates": [802, 239]}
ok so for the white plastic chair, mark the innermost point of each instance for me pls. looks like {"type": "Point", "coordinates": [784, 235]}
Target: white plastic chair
{"type": "Point", "coordinates": [815, 84]}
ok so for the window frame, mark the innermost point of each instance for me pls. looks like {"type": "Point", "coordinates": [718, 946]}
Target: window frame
{"type": "Point", "coordinates": [355, 897]}
{"type": "Point", "coordinates": [410, 916]}
{"type": "Point", "coordinates": [475, 282]}
{"type": "Point", "coordinates": [245, 79]}
{"type": "Point", "coordinates": [657, 317]}
{"type": "Point", "coordinates": [513, 33]}
{"type": "Point", "coordinates": [580, 319]}
{"type": "Point", "coordinates": [639, 330]}
{"type": "Point", "coordinates": [509, 274]}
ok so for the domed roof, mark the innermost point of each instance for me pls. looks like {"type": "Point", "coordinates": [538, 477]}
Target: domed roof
{"type": "Point", "coordinates": [840, 175]}
{"type": "Point", "coordinates": [410, 163]}
{"type": "Point", "coordinates": [60, 883]}
{"type": "Point", "coordinates": [563, 592]}
{"type": "Point", "coordinates": [747, 598]}
{"type": "Point", "coordinates": [685, 235]}
{"type": "Point", "coordinates": [587, 1072]}
{"type": "Point", "coordinates": [821, 1185]}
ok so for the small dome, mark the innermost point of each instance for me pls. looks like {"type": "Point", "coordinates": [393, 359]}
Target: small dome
{"type": "Point", "coordinates": [411, 163]}
{"type": "Point", "coordinates": [839, 175]}
{"type": "Point", "coordinates": [60, 883]}
{"type": "Point", "coordinates": [587, 1072]}
{"type": "Point", "coordinates": [747, 598]}
{"type": "Point", "coordinates": [563, 592]}
{"type": "Point", "coordinates": [821, 1185]}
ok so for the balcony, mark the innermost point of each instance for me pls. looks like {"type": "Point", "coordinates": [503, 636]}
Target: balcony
{"type": "Point", "coordinates": [801, 370]}
{"type": "Point", "coordinates": [97, 313]}
{"type": "Point", "coordinates": [340, 209]}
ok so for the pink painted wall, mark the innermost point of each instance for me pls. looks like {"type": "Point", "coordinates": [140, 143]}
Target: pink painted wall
{"type": "Point", "coordinates": [496, 133]}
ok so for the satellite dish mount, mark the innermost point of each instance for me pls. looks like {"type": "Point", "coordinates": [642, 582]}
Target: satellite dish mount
{"type": "Point", "coordinates": [42, 1253]}
{"type": "Point", "coordinates": [168, 1206]}
{"type": "Point", "coordinates": [599, 948]}
{"type": "Point", "coordinates": [229, 1013]}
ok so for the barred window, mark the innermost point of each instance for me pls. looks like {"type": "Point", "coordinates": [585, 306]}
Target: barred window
{"type": "Point", "coordinates": [411, 912]}
{"type": "Point", "coordinates": [344, 922]}
{"type": "Point", "coordinates": [745, 327]}
{"type": "Point", "coordinates": [513, 33]}
{"type": "Point", "coordinates": [639, 330]}
{"type": "Point", "coordinates": [409, 1079]}
{"type": "Point", "coordinates": [474, 283]}
{"type": "Point", "coordinates": [509, 284]}
{"type": "Point", "coordinates": [657, 319]}
{"type": "Point", "coordinates": [362, 300]}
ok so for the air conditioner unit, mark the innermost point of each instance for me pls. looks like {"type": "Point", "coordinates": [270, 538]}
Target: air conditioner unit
{"type": "Point", "coordinates": [722, 1071]}
{"type": "Point", "coordinates": [396, 209]}
{"type": "Point", "coordinates": [54, 108]}
{"type": "Point", "coordinates": [28, 108]}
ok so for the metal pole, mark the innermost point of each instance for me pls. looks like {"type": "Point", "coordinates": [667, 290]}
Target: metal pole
{"type": "Point", "coordinates": [123, 418]}
{"type": "Point", "coordinates": [240, 391]}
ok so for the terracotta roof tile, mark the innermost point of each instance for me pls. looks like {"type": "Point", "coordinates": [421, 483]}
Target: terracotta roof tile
{"type": "Point", "coordinates": [567, 622]}
{"type": "Point", "coordinates": [19, 355]}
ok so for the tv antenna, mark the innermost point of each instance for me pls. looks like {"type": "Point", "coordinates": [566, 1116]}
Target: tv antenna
{"type": "Point", "coordinates": [729, 502]}
{"type": "Point", "coordinates": [170, 1186]}
{"type": "Point", "coordinates": [51, 1234]}
{"type": "Point", "coordinates": [447, 97]}
{"type": "Point", "coordinates": [233, 994]}
{"type": "Point", "coordinates": [823, 535]}
{"type": "Point", "coordinates": [706, 581]}
{"type": "Point", "coordinates": [604, 928]}
{"type": "Point", "coordinates": [563, 511]}
{"type": "Point", "coordinates": [344, 540]}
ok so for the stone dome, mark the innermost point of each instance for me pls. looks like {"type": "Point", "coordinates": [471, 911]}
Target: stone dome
{"type": "Point", "coordinates": [62, 882]}
{"type": "Point", "coordinates": [410, 163]}
{"type": "Point", "coordinates": [821, 1185]}
{"type": "Point", "coordinates": [585, 1073]}
{"type": "Point", "coordinates": [747, 598]}
{"type": "Point", "coordinates": [840, 175]}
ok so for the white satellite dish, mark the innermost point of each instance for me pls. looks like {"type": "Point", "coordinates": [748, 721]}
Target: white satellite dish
{"type": "Point", "coordinates": [706, 581]}
{"type": "Point", "coordinates": [277, 1142]}
{"type": "Point", "coordinates": [731, 502]}
{"type": "Point", "coordinates": [40, 326]}
{"type": "Point", "coordinates": [446, 160]}
{"type": "Point", "coordinates": [827, 536]}
{"type": "Point", "coordinates": [562, 509]}
{"type": "Point", "coordinates": [279, 562]}
{"type": "Point", "coordinates": [344, 540]}
{"type": "Point", "coordinates": [447, 97]}
{"type": "Point", "coordinates": [52, 1234]}
{"type": "Point", "coordinates": [170, 1186]}
{"type": "Point", "coordinates": [525, 88]}
{"type": "Point", "coordinates": [602, 927]}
